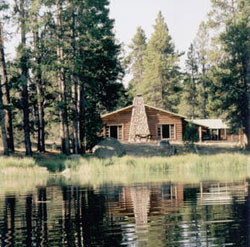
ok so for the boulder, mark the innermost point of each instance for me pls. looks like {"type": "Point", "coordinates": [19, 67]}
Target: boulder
{"type": "Point", "coordinates": [166, 148]}
{"type": "Point", "coordinates": [75, 156]}
{"type": "Point", "coordinates": [109, 147]}
{"type": "Point", "coordinates": [164, 144]}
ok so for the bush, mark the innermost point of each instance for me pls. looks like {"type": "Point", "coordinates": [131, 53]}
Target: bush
{"type": "Point", "coordinates": [190, 134]}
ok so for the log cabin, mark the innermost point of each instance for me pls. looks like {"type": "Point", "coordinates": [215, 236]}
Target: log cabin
{"type": "Point", "coordinates": [141, 122]}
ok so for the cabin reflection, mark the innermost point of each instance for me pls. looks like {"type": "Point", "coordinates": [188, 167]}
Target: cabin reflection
{"type": "Point", "coordinates": [222, 193]}
{"type": "Point", "coordinates": [149, 215]}
{"type": "Point", "coordinates": [140, 202]}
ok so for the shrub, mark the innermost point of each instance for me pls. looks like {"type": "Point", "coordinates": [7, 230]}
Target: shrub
{"type": "Point", "coordinates": [190, 134]}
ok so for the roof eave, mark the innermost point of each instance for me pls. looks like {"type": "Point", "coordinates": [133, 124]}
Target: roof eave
{"type": "Point", "coordinates": [169, 112]}
{"type": "Point", "coordinates": [117, 111]}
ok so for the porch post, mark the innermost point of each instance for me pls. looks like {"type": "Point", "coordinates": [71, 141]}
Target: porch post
{"type": "Point", "coordinates": [200, 133]}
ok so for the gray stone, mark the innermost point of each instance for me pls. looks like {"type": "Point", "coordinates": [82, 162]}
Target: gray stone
{"type": "Point", "coordinates": [164, 144]}
{"type": "Point", "coordinates": [75, 156]}
{"type": "Point", "coordinates": [109, 147]}
{"type": "Point", "coordinates": [166, 148]}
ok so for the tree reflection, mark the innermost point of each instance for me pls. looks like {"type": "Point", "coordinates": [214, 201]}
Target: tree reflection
{"type": "Point", "coordinates": [139, 215]}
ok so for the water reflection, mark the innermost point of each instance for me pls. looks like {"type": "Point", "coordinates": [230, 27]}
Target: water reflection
{"type": "Point", "coordinates": [205, 214]}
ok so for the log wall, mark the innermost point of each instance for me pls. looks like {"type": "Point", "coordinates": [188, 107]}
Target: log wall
{"type": "Point", "coordinates": [121, 118]}
{"type": "Point", "coordinates": [155, 118]}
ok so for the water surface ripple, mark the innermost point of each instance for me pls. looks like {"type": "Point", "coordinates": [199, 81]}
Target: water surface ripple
{"type": "Point", "coordinates": [148, 214]}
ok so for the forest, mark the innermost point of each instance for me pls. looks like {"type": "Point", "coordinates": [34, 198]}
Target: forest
{"type": "Point", "coordinates": [68, 69]}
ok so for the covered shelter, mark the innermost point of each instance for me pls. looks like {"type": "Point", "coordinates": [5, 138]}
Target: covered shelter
{"type": "Point", "coordinates": [213, 129]}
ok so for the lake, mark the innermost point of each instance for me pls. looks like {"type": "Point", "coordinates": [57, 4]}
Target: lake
{"type": "Point", "coordinates": [144, 214]}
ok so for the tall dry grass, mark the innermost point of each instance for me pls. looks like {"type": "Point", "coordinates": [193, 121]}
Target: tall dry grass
{"type": "Point", "coordinates": [21, 174]}
{"type": "Point", "coordinates": [189, 168]}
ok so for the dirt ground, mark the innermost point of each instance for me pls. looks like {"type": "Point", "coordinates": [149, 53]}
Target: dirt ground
{"type": "Point", "coordinates": [153, 149]}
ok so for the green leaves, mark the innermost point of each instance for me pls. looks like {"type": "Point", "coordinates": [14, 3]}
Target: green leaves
{"type": "Point", "coordinates": [161, 76]}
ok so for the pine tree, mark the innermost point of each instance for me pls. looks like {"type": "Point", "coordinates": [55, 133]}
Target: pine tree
{"type": "Point", "coordinates": [161, 78]}
{"type": "Point", "coordinates": [22, 9]}
{"type": "Point", "coordinates": [37, 70]}
{"type": "Point", "coordinates": [190, 84]}
{"type": "Point", "coordinates": [221, 11]}
{"type": "Point", "coordinates": [5, 83]}
{"type": "Point", "coordinates": [2, 112]}
{"type": "Point", "coordinates": [135, 60]}
{"type": "Point", "coordinates": [232, 77]}
{"type": "Point", "coordinates": [99, 68]}
{"type": "Point", "coordinates": [61, 79]}
{"type": "Point", "coordinates": [202, 48]}
{"type": "Point", "coordinates": [69, 71]}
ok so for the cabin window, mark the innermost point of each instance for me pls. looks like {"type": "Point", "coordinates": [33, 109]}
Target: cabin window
{"type": "Point", "coordinates": [166, 131]}
{"type": "Point", "coordinates": [114, 131]}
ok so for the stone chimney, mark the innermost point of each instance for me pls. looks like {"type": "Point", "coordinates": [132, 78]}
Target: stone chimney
{"type": "Point", "coordinates": [139, 129]}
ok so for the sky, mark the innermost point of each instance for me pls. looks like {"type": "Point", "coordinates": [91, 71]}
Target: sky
{"type": "Point", "coordinates": [183, 18]}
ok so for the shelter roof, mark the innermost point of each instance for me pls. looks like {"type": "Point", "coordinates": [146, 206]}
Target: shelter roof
{"type": "Point", "coordinates": [211, 123]}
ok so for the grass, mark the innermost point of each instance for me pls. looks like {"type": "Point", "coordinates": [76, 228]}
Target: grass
{"type": "Point", "coordinates": [21, 174]}
{"type": "Point", "coordinates": [185, 168]}
{"type": "Point", "coordinates": [189, 168]}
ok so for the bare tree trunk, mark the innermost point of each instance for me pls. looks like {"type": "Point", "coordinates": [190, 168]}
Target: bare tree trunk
{"type": "Point", "coordinates": [40, 101]}
{"type": "Point", "coordinates": [6, 94]}
{"type": "Point", "coordinates": [76, 119]}
{"type": "Point", "coordinates": [63, 112]}
{"type": "Point", "coordinates": [25, 93]}
{"type": "Point", "coordinates": [204, 95]}
{"type": "Point", "coordinates": [82, 120]}
{"type": "Point", "coordinates": [75, 95]}
{"type": "Point", "coordinates": [3, 128]}
{"type": "Point", "coordinates": [246, 79]}
{"type": "Point", "coordinates": [193, 92]}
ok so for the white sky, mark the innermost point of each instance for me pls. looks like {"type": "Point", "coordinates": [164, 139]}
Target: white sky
{"type": "Point", "coordinates": [182, 17]}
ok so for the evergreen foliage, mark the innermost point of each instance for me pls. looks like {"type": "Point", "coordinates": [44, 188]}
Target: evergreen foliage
{"type": "Point", "coordinates": [190, 134]}
{"type": "Point", "coordinates": [68, 71]}
{"type": "Point", "coordinates": [189, 105]}
{"type": "Point", "coordinates": [231, 77]}
{"type": "Point", "coordinates": [67, 74]}
{"type": "Point", "coordinates": [135, 59]}
{"type": "Point", "coordinates": [161, 77]}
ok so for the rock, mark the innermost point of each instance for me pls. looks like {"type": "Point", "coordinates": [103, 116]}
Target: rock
{"type": "Point", "coordinates": [166, 148]}
{"type": "Point", "coordinates": [109, 147]}
{"type": "Point", "coordinates": [75, 156]}
{"type": "Point", "coordinates": [164, 144]}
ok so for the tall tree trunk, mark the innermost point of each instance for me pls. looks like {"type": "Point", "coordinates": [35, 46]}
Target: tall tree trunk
{"type": "Point", "coordinates": [204, 95]}
{"type": "Point", "coordinates": [6, 94]}
{"type": "Point", "coordinates": [193, 93]}
{"type": "Point", "coordinates": [75, 94]}
{"type": "Point", "coordinates": [3, 127]}
{"type": "Point", "coordinates": [76, 118]}
{"type": "Point", "coordinates": [246, 79]}
{"type": "Point", "coordinates": [63, 112]}
{"type": "Point", "coordinates": [82, 120]}
{"type": "Point", "coordinates": [25, 93]}
{"type": "Point", "coordinates": [39, 90]}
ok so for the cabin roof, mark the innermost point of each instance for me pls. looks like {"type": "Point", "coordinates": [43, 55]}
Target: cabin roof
{"type": "Point", "coordinates": [149, 106]}
{"type": "Point", "coordinates": [117, 111]}
{"type": "Point", "coordinates": [165, 111]}
{"type": "Point", "coordinates": [211, 123]}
